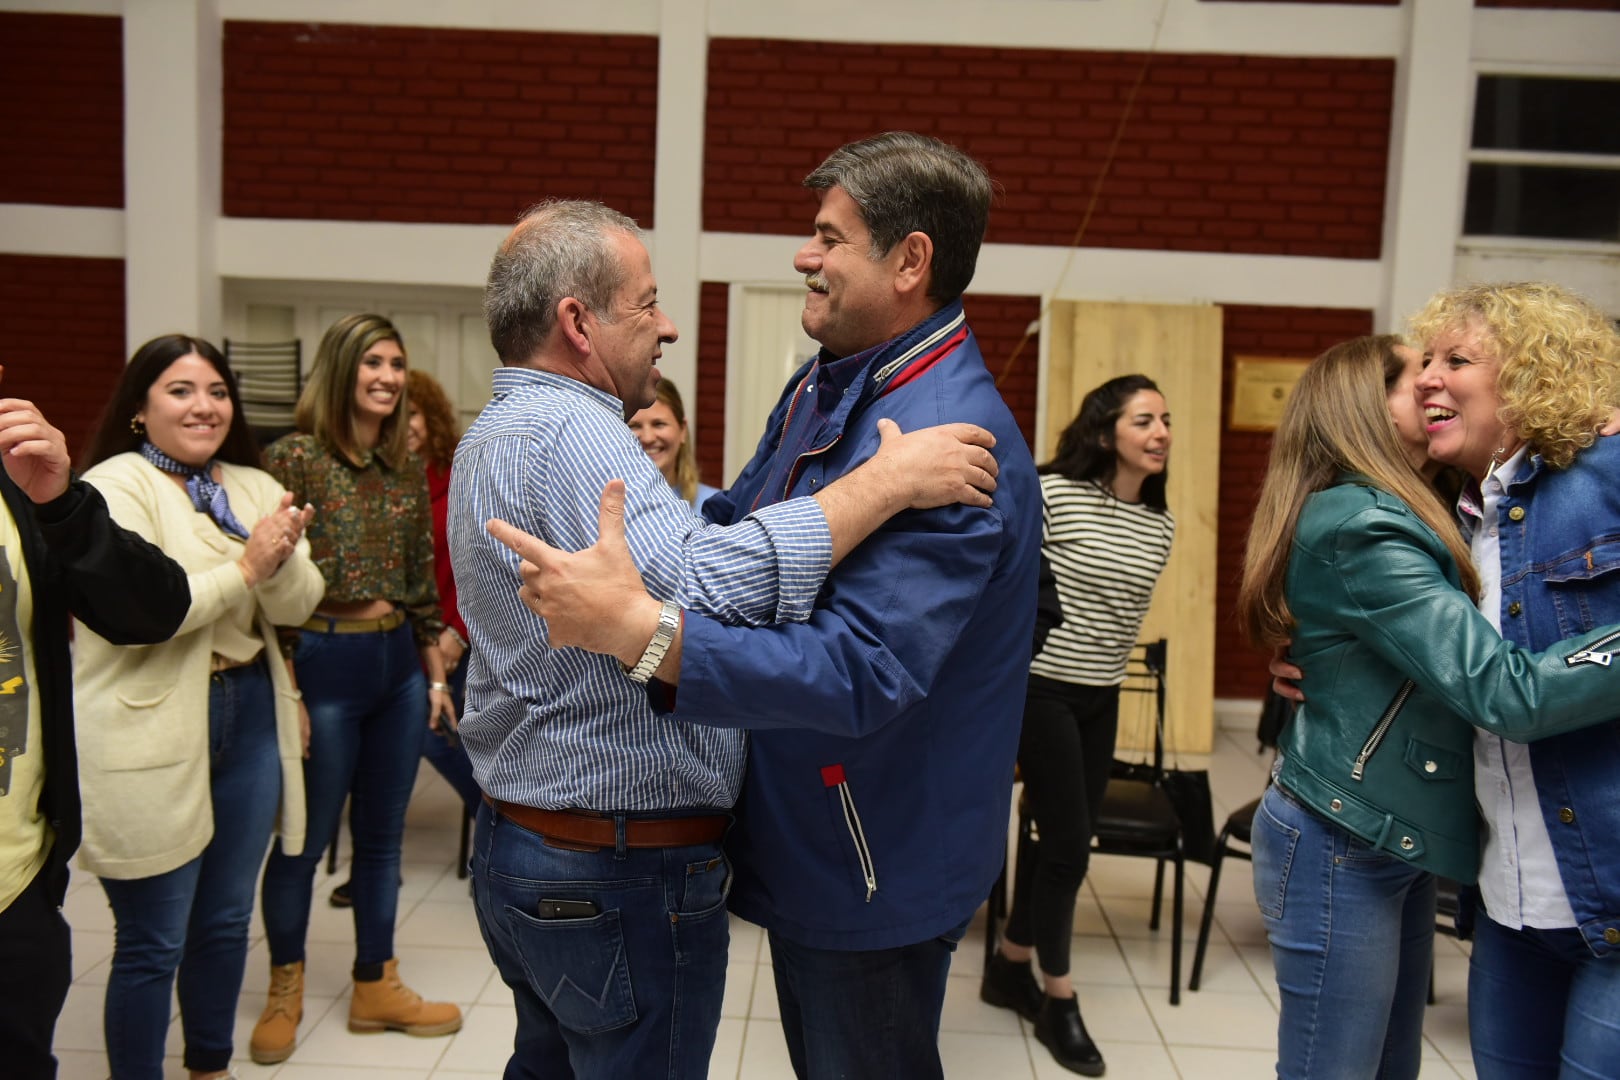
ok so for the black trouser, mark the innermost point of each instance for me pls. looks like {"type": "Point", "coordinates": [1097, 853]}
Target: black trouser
{"type": "Point", "coordinates": [1064, 755]}
{"type": "Point", "coordinates": [36, 965]}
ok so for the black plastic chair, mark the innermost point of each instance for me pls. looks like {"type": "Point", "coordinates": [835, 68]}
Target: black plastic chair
{"type": "Point", "coordinates": [1137, 817]}
{"type": "Point", "coordinates": [269, 376]}
{"type": "Point", "coordinates": [1274, 716]}
{"type": "Point", "coordinates": [1237, 828]}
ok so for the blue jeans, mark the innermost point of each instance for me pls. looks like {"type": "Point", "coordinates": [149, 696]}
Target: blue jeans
{"type": "Point", "coordinates": [866, 1015]}
{"type": "Point", "coordinates": [1352, 941]}
{"type": "Point", "coordinates": [194, 918]}
{"type": "Point", "coordinates": [1541, 1006]}
{"type": "Point", "coordinates": [368, 703]}
{"type": "Point", "coordinates": [634, 990]}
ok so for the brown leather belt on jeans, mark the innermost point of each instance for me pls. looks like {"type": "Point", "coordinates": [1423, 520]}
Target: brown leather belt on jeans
{"type": "Point", "coordinates": [325, 624]}
{"type": "Point", "coordinates": [582, 828]}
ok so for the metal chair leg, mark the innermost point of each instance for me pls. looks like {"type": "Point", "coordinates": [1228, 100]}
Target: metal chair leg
{"type": "Point", "coordinates": [1209, 910]}
{"type": "Point", "coordinates": [1175, 931]}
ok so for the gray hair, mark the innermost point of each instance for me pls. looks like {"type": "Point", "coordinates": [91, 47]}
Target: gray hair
{"type": "Point", "coordinates": [905, 183]}
{"type": "Point", "coordinates": [560, 248]}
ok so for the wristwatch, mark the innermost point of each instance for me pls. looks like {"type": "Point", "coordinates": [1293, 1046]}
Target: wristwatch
{"type": "Point", "coordinates": [669, 621]}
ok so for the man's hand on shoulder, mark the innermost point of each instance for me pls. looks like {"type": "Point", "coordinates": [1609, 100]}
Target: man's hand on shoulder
{"type": "Point", "coordinates": [592, 599]}
{"type": "Point", "coordinates": [34, 452]}
{"type": "Point", "coordinates": [1284, 675]}
{"type": "Point", "coordinates": [937, 466]}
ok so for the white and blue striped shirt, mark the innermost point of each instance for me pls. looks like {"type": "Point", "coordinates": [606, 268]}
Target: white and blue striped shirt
{"type": "Point", "coordinates": [564, 728]}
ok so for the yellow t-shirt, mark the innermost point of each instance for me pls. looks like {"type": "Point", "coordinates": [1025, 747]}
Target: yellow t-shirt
{"type": "Point", "coordinates": [24, 835]}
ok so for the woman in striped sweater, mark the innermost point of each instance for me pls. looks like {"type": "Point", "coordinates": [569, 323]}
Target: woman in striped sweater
{"type": "Point", "coordinates": [1107, 534]}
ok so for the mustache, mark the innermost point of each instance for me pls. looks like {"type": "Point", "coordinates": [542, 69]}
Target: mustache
{"type": "Point", "coordinates": [816, 282]}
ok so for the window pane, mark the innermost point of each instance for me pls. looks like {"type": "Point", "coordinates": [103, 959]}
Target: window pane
{"type": "Point", "coordinates": [1562, 204]}
{"type": "Point", "coordinates": [1516, 112]}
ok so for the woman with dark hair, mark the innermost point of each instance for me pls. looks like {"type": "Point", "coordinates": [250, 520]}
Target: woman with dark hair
{"type": "Point", "coordinates": [1354, 557]}
{"type": "Point", "coordinates": [188, 747]}
{"type": "Point", "coordinates": [1107, 534]}
{"type": "Point", "coordinates": [664, 435]}
{"type": "Point", "coordinates": [360, 662]}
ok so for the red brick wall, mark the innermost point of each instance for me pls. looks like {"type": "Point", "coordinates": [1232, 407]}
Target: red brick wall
{"type": "Point", "coordinates": [1300, 333]}
{"type": "Point", "coordinates": [710, 412]}
{"type": "Point", "coordinates": [64, 321]}
{"type": "Point", "coordinates": [1263, 155]}
{"type": "Point", "coordinates": [430, 125]}
{"type": "Point", "coordinates": [997, 321]}
{"type": "Point", "coordinates": [62, 109]}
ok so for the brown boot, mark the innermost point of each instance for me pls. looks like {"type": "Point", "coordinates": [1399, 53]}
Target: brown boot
{"type": "Point", "coordinates": [276, 1033]}
{"type": "Point", "coordinates": [390, 1004]}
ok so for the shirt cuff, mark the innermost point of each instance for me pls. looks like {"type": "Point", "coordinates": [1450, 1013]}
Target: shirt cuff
{"type": "Point", "coordinates": [798, 532]}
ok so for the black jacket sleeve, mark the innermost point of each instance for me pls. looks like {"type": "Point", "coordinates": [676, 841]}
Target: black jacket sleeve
{"type": "Point", "coordinates": [115, 582]}
{"type": "Point", "coordinates": [1048, 605]}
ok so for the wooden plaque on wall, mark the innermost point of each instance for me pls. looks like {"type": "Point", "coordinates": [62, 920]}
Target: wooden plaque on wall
{"type": "Point", "coordinates": [1260, 389]}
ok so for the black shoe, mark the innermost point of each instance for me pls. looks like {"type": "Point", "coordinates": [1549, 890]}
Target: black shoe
{"type": "Point", "coordinates": [1060, 1029]}
{"type": "Point", "coordinates": [1008, 984]}
{"type": "Point", "coordinates": [341, 896]}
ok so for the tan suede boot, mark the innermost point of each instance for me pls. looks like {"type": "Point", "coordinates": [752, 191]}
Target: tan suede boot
{"type": "Point", "coordinates": [390, 1004]}
{"type": "Point", "coordinates": [276, 1033]}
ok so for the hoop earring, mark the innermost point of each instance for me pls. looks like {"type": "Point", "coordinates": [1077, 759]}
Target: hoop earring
{"type": "Point", "coordinates": [137, 426]}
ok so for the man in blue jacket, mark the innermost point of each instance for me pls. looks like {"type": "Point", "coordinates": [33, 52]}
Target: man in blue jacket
{"type": "Point", "coordinates": [884, 729]}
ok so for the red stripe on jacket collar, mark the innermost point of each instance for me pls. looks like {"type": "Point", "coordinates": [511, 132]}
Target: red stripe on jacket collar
{"type": "Point", "coordinates": [927, 360]}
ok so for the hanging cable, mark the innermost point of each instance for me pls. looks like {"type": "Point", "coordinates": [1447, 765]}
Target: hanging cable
{"type": "Point", "coordinates": [1096, 190]}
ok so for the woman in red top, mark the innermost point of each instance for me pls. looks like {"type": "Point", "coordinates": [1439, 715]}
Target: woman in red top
{"type": "Point", "coordinates": [432, 435]}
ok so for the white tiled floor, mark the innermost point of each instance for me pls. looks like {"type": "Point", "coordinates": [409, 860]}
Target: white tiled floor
{"type": "Point", "coordinates": [1121, 967]}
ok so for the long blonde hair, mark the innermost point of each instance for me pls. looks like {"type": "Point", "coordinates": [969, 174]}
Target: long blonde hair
{"type": "Point", "coordinates": [686, 472]}
{"type": "Point", "coordinates": [1336, 421]}
{"type": "Point", "coordinates": [326, 406]}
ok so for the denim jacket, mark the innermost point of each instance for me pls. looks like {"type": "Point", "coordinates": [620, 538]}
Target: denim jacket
{"type": "Point", "coordinates": [1560, 536]}
{"type": "Point", "coordinates": [1396, 659]}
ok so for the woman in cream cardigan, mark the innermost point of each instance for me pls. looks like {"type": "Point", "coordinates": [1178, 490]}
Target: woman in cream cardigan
{"type": "Point", "coordinates": [190, 750]}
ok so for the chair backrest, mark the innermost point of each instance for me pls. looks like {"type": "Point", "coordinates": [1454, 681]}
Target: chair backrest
{"type": "Point", "coordinates": [1145, 673]}
{"type": "Point", "coordinates": [269, 376]}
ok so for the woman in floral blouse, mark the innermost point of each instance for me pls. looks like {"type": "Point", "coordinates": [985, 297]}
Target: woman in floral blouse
{"type": "Point", "coordinates": [359, 662]}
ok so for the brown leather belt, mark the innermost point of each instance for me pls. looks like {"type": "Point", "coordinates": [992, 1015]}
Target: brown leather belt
{"type": "Point", "coordinates": [325, 624]}
{"type": "Point", "coordinates": [219, 662]}
{"type": "Point", "coordinates": [585, 829]}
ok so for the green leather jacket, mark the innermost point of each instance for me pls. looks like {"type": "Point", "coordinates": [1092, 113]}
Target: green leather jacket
{"type": "Point", "coordinates": [1398, 664]}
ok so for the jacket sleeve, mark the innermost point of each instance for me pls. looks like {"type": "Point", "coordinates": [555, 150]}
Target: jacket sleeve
{"type": "Point", "coordinates": [894, 611]}
{"type": "Point", "coordinates": [1401, 605]}
{"type": "Point", "coordinates": [1048, 605]}
{"type": "Point", "coordinates": [117, 583]}
{"type": "Point", "coordinates": [213, 591]}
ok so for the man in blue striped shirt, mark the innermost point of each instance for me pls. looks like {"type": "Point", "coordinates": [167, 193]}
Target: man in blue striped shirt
{"type": "Point", "coordinates": [598, 873]}
{"type": "Point", "coordinates": [882, 729]}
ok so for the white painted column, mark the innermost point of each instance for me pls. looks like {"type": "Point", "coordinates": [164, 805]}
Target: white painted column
{"type": "Point", "coordinates": [173, 109]}
{"type": "Point", "coordinates": [683, 60]}
{"type": "Point", "coordinates": [1428, 159]}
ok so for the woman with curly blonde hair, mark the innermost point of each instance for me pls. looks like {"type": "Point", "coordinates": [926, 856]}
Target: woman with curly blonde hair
{"type": "Point", "coordinates": [1517, 382]}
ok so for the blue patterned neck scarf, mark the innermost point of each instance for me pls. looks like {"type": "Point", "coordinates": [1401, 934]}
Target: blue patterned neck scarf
{"type": "Point", "coordinates": [207, 495]}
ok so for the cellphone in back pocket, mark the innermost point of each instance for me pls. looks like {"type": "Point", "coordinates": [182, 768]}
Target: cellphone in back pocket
{"type": "Point", "coordinates": [568, 909]}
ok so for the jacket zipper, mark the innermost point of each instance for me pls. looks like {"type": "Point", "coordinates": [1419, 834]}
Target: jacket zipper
{"type": "Point", "coordinates": [1370, 747]}
{"type": "Point", "coordinates": [1593, 653]}
{"type": "Point", "coordinates": [833, 776]}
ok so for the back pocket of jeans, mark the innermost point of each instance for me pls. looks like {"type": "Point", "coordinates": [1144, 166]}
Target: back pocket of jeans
{"type": "Point", "coordinates": [1273, 845]}
{"type": "Point", "coordinates": [578, 968]}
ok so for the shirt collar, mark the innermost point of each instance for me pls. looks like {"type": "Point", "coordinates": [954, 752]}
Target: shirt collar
{"type": "Point", "coordinates": [883, 362]}
{"type": "Point", "coordinates": [509, 380]}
